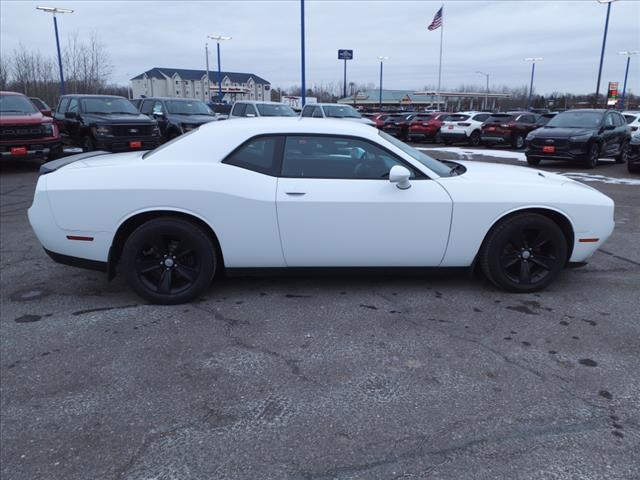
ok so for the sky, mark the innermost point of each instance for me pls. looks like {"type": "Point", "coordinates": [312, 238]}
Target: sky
{"type": "Point", "coordinates": [488, 36]}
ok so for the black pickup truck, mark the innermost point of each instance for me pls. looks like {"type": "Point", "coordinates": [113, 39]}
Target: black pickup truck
{"type": "Point", "coordinates": [105, 122]}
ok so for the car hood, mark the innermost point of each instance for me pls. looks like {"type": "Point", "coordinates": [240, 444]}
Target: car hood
{"type": "Point", "coordinates": [197, 119]}
{"type": "Point", "coordinates": [554, 132]}
{"type": "Point", "coordinates": [500, 173]}
{"type": "Point", "coordinates": [117, 118]}
{"type": "Point", "coordinates": [24, 119]}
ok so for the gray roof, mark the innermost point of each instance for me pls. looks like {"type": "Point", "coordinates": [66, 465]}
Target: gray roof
{"type": "Point", "coordinates": [188, 74]}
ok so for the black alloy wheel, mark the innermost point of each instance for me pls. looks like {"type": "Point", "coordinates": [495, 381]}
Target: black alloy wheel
{"type": "Point", "coordinates": [524, 253]}
{"type": "Point", "coordinates": [518, 141]}
{"type": "Point", "coordinates": [169, 260]}
{"type": "Point", "coordinates": [88, 145]}
{"type": "Point", "coordinates": [592, 156]}
{"type": "Point", "coordinates": [623, 156]}
{"type": "Point", "coordinates": [474, 139]}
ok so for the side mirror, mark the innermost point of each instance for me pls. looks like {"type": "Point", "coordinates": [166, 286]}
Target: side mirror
{"type": "Point", "coordinates": [159, 115]}
{"type": "Point", "coordinates": [70, 115]}
{"type": "Point", "coordinates": [400, 176]}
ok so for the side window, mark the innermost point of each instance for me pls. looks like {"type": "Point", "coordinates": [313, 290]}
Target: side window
{"type": "Point", "coordinates": [336, 157]}
{"type": "Point", "coordinates": [317, 112]}
{"type": "Point", "coordinates": [64, 104]}
{"type": "Point", "coordinates": [146, 107]}
{"type": "Point", "coordinates": [157, 108]}
{"type": "Point", "coordinates": [481, 117]}
{"type": "Point", "coordinates": [258, 155]}
{"type": "Point", "coordinates": [73, 105]}
{"type": "Point", "coordinates": [250, 110]}
{"type": "Point", "coordinates": [307, 111]}
{"type": "Point", "coordinates": [620, 121]}
{"type": "Point", "coordinates": [238, 109]}
{"type": "Point", "coordinates": [609, 120]}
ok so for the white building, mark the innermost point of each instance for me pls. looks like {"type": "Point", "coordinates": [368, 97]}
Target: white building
{"type": "Point", "coordinates": [183, 83]}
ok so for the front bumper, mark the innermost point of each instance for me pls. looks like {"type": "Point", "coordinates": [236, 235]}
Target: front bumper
{"type": "Point", "coordinates": [577, 152]}
{"type": "Point", "coordinates": [40, 149]}
{"type": "Point", "coordinates": [121, 144]}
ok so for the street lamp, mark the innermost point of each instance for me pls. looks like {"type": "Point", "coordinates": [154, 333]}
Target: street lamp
{"type": "Point", "coordinates": [604, 42]}
{"type": "Point", "coordinates": [626, 73]}
{"type": "Point", "coordinates": [218, 39]}
{"type": "Point", "coordinates": [382, 59]}
{"type": "Point", "coordinates": [533, 61]}
{"type": "Point", "coordinates": [53, 11]}
{"type": "Point", "coordinates": [486, 95]}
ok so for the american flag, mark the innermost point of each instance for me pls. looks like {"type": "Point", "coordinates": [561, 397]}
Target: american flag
{"type": "Point", "coordinates": [437, 20]}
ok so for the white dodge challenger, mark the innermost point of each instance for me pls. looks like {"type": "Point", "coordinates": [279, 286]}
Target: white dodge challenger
{"type": "Point", "coordinates": [287, 193]}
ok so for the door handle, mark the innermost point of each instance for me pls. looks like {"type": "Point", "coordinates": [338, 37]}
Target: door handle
{"type": "Point", "coordinates": [296, 194]}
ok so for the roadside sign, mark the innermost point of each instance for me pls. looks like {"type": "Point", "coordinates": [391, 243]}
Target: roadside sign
{"type": "Point", "coordinates": [612, 96]}
{"type": "Point", "coordinates": [345, 54]}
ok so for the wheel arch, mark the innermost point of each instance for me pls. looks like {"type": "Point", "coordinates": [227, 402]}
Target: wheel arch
{"type": "Point", "coordinates": [556, 216]}
{"type": "Point", "coordinates": [129, 224]}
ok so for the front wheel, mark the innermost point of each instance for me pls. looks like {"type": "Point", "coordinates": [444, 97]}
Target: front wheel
{"type": "Point", "coordinates": [88, 145]}
{"type": "Point", "coordinates": [438, 138]}
{"type": "Point", "coordinates": [534, 162]}
{"type": "Point", "coordinates": [169, 260]}
{"type": "Point", "coordinates": [474, 139]}
{"type": "Point", "coordinates": [524, 253]}
{"type": "Point", "coordinates": [518, 142]}
{"type": "Point", "coordinates": [592, 156]}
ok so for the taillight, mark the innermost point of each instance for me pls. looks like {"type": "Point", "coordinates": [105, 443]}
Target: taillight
{"type": "Point", "coordinates": [508, 125]}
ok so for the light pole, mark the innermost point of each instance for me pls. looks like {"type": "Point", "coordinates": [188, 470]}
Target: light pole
{"type": "Point", "coordinates": [218, 39]}
{"type": "Point", "coordinates": [533, 61]}
{"type": "Point", "coordinates": [486, 95]}
{"type": "Point", "coordinates": [626, 74]}
{"type": "Point", "coordinates": [206, 94]}
{"type": "Point", "coordinates": [382, 59]}
{"type": "Point", "coordinates": [604, 42]}
{"type": "Point", "coordinates": [304, 87]}
{"type": "Point", "coordinates": [54, 10]}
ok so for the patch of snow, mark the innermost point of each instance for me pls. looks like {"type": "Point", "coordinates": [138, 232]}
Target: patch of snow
{"type": "Point", "coordinates": [591, 177]}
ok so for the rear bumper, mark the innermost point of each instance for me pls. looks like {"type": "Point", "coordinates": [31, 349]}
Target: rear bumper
{"type": "Point", "coordinates": [454, 136]}
{"type": "Point", "coordinates": [77, 262]}
{"type": "Point", "coordinates": [422, 133]}
{"type": "Point", "coordinates": [493, 139]}
{"type": "Point", "coordinates": [34, 149]}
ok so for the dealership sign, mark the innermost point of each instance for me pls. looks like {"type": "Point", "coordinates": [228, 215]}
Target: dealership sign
{"type": "Point", "coordinates": [345, 54]}
{"type": "Point", "coordinates": [612, 96]}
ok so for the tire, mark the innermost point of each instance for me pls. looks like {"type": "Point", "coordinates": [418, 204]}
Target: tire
{"type": "Point", "coordinates": [447, 142]}
{"type": "Point", "coordinates": [632, 168]}
{"type": "Point", "coordinates": [534, 162]}
{"type": "Point", "coordinates": [474, 138]}
{"type": "Point", "coordinates": [623, 156]}
{"type": "Point", "coordinates": [437, 138]}
{"type": "Point", "coordinates": [518, 142]}
{"type": "Point", "coordinates": [169, 260]}
{"type": "Point", "coordinates": [171, 135]}
{"type": "Point", "coordinates": [88, 144]}
{"type": "Point", "coordinates": [523, 253]}
{"type": "Point", "coordinates": [592, 156]}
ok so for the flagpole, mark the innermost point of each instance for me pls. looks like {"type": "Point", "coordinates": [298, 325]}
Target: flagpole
{"type": "Point", "coordinates": [440, 64]}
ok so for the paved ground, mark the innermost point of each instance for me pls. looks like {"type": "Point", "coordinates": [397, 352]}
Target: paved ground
{"type": "Point", "coordinates": [321, 378]}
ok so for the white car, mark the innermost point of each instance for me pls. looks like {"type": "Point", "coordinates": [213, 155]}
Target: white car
{"type": "Point", "coordinates": [633, 120]}
{"type": "Point", "coordinates": [463, 127]}
{"type": "Point", "coordinates": [288, 193]}
{"type": "Point", "coordinates": [251, 108]}
{"type": "Point", "coordinates": [334, 110]}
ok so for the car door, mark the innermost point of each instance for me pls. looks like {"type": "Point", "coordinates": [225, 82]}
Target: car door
{"type": "Point", "coordinates": [337, 208]}
{"type": "Point", "coordinates": [59, 119]}
{"type": "Point", "coordinates": [72, 124]}
{"type": "Point", "coordinates": [609, 135]}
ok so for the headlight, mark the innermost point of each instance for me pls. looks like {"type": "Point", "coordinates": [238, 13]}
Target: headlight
{"type": "Point", "coordinates": [156, 130]}
{"type": "Point", "coordinates": [580, 138]}
{"type": "Point", "coordinates": [102, 130]}
{"type": "Point", "coordinates": [47, 129]}
{"type": "Point", "coordinates": [530, 137]}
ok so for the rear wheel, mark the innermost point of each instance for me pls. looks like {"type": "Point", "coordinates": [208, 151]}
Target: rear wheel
{"type": "Point", "coordinates": [474, 139]}
{"type": "Point", "coordinates": [518, 141]}
{"type": "Point", "coordinates": [592, 156]}
{"type": "Point", "coordinates": [623, 156]}
{"type": "Point", "coordinates": [533, 161]}
{"type": "Point", "coordinates": [438, 138]}
{"type": "Point", "coordinates": [169, 260]}
{"type": "Point", "coordinates": [524, 253]}
{"type": "Point", "coordinates": [447, 142]}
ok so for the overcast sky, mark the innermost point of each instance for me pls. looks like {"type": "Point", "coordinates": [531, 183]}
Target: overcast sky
{"type": "Point", "coordinates": [490, 36]}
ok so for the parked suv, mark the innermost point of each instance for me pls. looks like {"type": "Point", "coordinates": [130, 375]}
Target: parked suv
{"type": "Point", "coordinates": [24, 131]}
{"type": "Point", "coordinates": [463, 127]}
{"type": "Point", "coordinates": [176, 116]}
{"type": "Point", "coordinates": [508, 128]}
{"type": "Point", "coordinates": [335, 110]}
{"type": "Point", "coordinates": [105, 122]}
{"type": "Point", "coordinates": [428, 127]}
{"type": "Point", "coordinates": [633, 120]}
{"type": "Point", "coordinates": [246, 108]}
{"type": "Point", "coordinates": [633, 161]}
{"type": "Point", "coordinates": [580, 135]}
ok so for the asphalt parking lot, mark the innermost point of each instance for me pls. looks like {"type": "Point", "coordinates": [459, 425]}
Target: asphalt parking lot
{"type": "Point", "coordinates": [336, 377]}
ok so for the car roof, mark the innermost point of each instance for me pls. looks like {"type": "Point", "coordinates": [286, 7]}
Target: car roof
{"type": "Point", "coordinates": [3, 92]}
{"type": "Point", "coordinates": [260, 102]}
{"type": "Point", "coordinates": [329, 103]}
{"type": "Point", "coordinates": [91, 95]}
{"type": "Point", "coordinates": [168, 98]}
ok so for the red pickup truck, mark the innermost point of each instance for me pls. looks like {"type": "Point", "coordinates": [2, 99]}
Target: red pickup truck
{"type": "Point", "coordinates": [24, 132]}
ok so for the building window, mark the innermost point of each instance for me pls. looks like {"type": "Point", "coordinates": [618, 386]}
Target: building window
{"type": "Point", "coordinates": [177, 92]}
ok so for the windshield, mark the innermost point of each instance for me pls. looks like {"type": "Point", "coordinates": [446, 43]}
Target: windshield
{"type": "Point", "coordinates": [340, 111]}
{"type": "Point", "coordinates": [457, 118]}
{"type": "Point", "coordinates": [275, 110]}
{"type": "Point", "coordinates": [16, 104]}
{"type": "Point", "coordinates": [108, 105]}
{"type": "Point", "coordinates": [39, 104]}
{"type": "Point", "coordinates": [576, 119]}
{"type": "Point", "coordinates": [431, 163]}
{"type": "Point", "coordinates": [186, 107]}
{"type": "Point", "coordinates": [498, 118]}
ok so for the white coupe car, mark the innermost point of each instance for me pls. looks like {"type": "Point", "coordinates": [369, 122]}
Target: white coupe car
{"type": "Point", "coordinates": [287, 193]}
